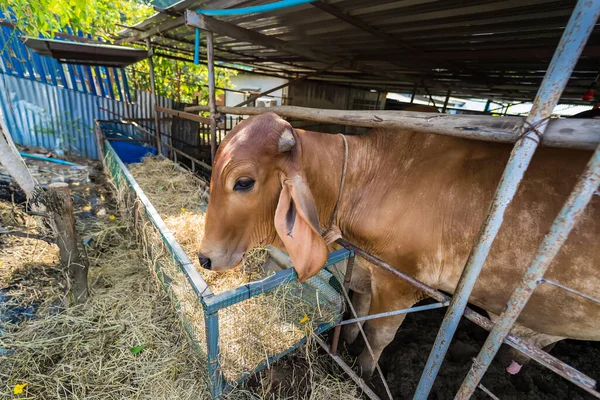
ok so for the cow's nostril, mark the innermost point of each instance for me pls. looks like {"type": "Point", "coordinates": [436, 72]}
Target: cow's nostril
{"type": "Point", "coordinates": [204, 261]}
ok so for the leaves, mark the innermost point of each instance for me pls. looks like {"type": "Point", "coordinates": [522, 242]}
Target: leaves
{"type": "Point", "coordinates": [137, 349]}
{"type": "Point", "coordinates": [178, 80]}
{"type": "Point", "coordinates": [175, 79]}
{"type": "Point", "coordinates": [44, 17]}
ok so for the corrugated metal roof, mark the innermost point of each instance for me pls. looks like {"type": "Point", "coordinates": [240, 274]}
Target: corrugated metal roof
{"type": "Point", "coordinates": [86, 53]}
{"type": "Point", "coordinates": [482, 48]}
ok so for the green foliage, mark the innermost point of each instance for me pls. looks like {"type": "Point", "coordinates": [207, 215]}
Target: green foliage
{"type": "Point", "coordinates": [43, 17]}
{"type": "Point", "coordinates": [178, 80]}
{"type": "Point", "coordinates": [174, 79]}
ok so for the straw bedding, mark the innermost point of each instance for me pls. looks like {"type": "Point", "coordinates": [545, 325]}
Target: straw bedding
{"type": "Point", "coordinates": [87, 351]}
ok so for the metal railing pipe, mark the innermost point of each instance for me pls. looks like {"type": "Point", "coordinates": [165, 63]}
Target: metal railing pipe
{"type": "Point", "coordinates": [571, 212]}
{"type": "Point", "coordinates": [563, 62]}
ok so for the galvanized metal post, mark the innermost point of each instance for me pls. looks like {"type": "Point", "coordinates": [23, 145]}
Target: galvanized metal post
{"type": "Point", "coordinates": [347, 280]}
{"type": "Point", "coordinates": [563, 62]}
{"type": "Point", "coordinates": [155, 95]}
{"type": "Point", "coordinates": [446, 101]}
{"type": "Point", "coordinates": [569, 215]}
{"type": "Point", "coordinates": [215, 376]}
{"type": "Point", "coordinates": [212, 101]}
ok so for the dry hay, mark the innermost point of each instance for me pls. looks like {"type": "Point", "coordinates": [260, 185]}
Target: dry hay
{"type": "Point", "coordinates": [250, 331]}
{"type": "Point", "coordinates": [85, 351]}
{"type": "Point", "coordinates": [22, 259]}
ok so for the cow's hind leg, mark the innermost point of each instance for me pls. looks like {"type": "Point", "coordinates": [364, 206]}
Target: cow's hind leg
{"type": "Point", "coordinates": [361, 303]}
{"type": "Point", "coordinates": [381, 331]}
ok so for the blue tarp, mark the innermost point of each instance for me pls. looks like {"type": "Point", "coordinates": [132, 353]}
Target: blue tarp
{"type": "Point", "coordinates": [132, 152]}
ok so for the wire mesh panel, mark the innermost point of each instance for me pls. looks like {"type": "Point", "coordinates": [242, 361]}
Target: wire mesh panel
{"type": "Point", "coordinates": [167, 267]}
{"type": "Point", "coordinates": [245, 328]}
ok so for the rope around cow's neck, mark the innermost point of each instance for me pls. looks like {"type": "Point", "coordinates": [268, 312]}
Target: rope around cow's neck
{"type": "Point", "coordinates": [342, 182]}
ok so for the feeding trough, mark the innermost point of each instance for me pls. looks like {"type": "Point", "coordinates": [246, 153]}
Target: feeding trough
{"type": "Point", "coordinates": [243, 329]}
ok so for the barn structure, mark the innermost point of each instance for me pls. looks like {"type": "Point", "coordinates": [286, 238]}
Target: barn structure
{"type": "Point", "coordinates": [344, 55]}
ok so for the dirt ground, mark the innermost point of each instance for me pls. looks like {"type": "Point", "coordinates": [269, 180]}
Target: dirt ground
{"type": "Point", "coordinates": [404, 359]}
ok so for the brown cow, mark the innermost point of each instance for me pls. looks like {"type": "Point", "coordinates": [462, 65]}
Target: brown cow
{"type": "Point", "coordinates": [414, 200]}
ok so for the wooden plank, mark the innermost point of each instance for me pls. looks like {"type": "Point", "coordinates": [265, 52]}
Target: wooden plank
{"type": "Point", "coordinates": [581, 134]}
{"type": "Point", "coordinates": [183, 115]}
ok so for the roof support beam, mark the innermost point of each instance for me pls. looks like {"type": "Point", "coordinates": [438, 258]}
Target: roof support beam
{"type": "Point", "coordinates": [164, 26]}
{"type": "Point", "coordinates": [226, 29]}
{"type": "Point", "coordinates": [434, 62]}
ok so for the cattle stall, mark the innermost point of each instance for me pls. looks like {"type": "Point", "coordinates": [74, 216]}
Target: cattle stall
{"type": "Point", "coordinates": [527, 134]}
{"type": "Point", "coordinates": [191, 295]}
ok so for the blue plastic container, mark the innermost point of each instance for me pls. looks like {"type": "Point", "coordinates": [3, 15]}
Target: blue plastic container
{"type": "Point", "coordinates": [132, 152]}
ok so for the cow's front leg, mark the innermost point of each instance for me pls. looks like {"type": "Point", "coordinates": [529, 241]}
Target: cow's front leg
{"type": "Point", "coordinates": [361, 303]}
{"type": "Point", "coordinates": [389, 295]}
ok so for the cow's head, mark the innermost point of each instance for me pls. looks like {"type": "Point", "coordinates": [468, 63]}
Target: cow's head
{"type": "Point", "coordinates": [259, 196]}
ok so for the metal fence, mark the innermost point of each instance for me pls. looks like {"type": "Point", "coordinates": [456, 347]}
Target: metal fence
{"type": "Point", "coordinates": [62, 119]}
{"type": "Point", "coordinates": [18, 60]}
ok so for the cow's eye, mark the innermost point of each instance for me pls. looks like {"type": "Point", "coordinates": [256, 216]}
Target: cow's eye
{"type": "Point", "coordinates": [243, 185]}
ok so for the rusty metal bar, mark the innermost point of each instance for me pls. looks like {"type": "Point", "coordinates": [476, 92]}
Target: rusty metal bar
{"type": "Point", "coordinates": [367, 344]}
{"type": "Point", "coordinates": [525, 347]}
{"type": "Point", "coordinates": [570, 214]}
{"type": "Point", "coordinates": [536, 354]}
{"type": "Point", "coordinates": [568, 289]}
{"type": "Point", "coordinates": [347, 280]}
{"type": "Point", "coordinates": [431, 292]}
{"type": "Point", "coordinates": [361, 384]}
{"type": "Point", "coordinates": [565, 58]}
{"type": "Point", "coordinates": [487, 391]}
{"type": "Point", "coordinates": [396, 312]}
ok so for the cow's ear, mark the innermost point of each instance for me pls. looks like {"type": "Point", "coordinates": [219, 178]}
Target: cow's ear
{"type": "Point", "coordinates": [297, 224]}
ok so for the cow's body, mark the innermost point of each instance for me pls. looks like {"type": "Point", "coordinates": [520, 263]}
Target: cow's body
{"type": "Point", "coordinates": [417, 201]}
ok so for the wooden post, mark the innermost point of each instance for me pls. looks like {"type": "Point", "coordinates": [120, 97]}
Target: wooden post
{"type": "Point", "coordinates": [212, 101]}
{"type": "Point", "coordinates": [153, 87]}
{"type": "Point", "coordinates": [446, 101]}
{"type": "Point", "coordinates": [59, 204]}
{"type": "Point", "coordinates": [99, 140]}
